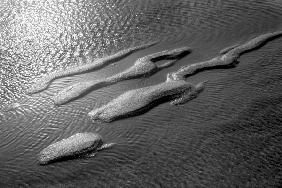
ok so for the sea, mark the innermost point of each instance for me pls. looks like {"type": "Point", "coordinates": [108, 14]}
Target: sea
{"type": "Point", "coordinates": [229, 136]}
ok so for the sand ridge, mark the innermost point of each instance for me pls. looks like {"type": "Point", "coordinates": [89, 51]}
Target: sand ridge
{"type": "Point", "coordinates": [42, 83]}
{"type": "Point", "coordinates": [227, 57]}
{"type": "Point", "coordinates": [143, 67]}
{"type": "Point", "coordinates": [136, 101]}
{"type": "Point", "coordinates": [75, 145]}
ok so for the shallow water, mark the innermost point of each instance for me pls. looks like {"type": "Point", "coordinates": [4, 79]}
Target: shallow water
{"type": "Point", "coordinates": [227, 137]}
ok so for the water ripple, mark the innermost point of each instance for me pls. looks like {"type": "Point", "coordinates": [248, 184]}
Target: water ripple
{"type": "Point", "coordinates": [228, 136]}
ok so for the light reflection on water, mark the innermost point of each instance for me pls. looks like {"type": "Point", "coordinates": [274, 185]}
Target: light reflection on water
{"type": "Point", "coordinates": [159, 147]}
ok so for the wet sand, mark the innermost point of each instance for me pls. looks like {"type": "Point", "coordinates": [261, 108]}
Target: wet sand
{"type": "Point", "coordinates": [138, 101]}
{"type": "Point", "coordinates": [44, 82]}
{"type": "Point", "coordinates": [228, 56]}
{"type": "Point", "coordinates": [143, 67]}
{"type": "Point", "coordinates": [71, 147]}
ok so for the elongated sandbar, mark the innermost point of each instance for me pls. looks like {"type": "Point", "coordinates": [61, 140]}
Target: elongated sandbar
{"type": "Point", "coordinates": [80, 144]}
{"type": "Point", "coordinates": [143, 67]}
{"type": "Point", "coordinates": [138, 101]}
{"type": "Point", "coordinates": [45, 81]}
{"type": "Point", "coordinates": [227, 57]}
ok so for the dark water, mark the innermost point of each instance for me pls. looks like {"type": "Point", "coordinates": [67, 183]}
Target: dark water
{"type": "Point", "coordinates": [230, 136]}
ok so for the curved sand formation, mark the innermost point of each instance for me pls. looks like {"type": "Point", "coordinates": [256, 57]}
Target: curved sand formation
{"type": "Point", "coordinates": [80, 144]}
{"type": "Point", "coordinates": [255, 42]}
{"type": "Point", "coordinates": [44, 82]}
{"type": "Point", "coordinates": [227, 57]}
{"type": "Point", "coordinates": [222, 60]}
{"type": "Point", "coordinates": [144, 66]}
{"type": "Point", "coordinates": [137, 101]}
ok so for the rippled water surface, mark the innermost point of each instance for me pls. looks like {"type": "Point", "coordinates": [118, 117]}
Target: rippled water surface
{"type": "Point", "coordinates": [230, 136]}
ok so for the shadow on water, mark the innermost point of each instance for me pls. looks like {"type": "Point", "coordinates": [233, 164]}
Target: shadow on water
{"type": "Point", "coordinates": [171, 57]}
{"type": "Point", "coordinates": [65, 159]}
